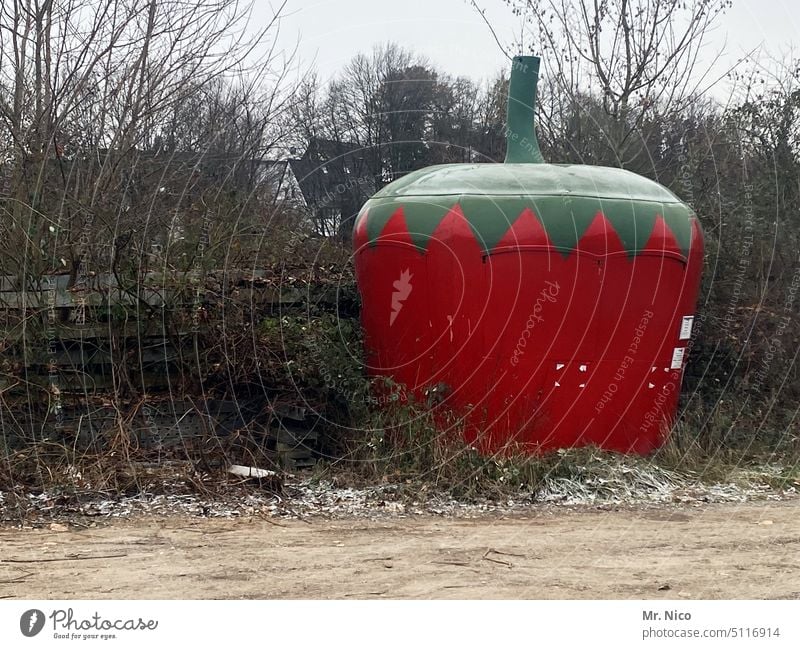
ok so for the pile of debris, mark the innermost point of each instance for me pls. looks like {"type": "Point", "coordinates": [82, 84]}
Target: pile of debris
{"type": "Point", "coordinates": [264, 494]}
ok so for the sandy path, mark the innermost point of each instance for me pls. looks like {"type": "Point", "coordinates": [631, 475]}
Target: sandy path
{"type": "Point", "coordinates": [718, 551]}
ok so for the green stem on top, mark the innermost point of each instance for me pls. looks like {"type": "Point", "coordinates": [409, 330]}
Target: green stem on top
{"type": "Point", "coordinates": [521, 142]}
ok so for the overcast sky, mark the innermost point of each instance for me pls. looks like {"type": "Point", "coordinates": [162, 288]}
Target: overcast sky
{"type": "Point", "coordinates": [328, 33]}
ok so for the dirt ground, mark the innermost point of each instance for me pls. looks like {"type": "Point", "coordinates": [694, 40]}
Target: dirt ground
{"type": "Point", "coordinates": [717, 551]}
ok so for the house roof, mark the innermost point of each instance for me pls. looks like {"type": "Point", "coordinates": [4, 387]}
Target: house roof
{"type": "Point", "coordinates": [332, 168]}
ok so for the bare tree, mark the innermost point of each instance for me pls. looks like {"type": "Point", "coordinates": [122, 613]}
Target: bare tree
{"type": "Point", "coordinates": [641, 57]}
{"type": "Point", "coordinates": [403, 113]}
{"type": "Point", "coordinates": [87, 87]}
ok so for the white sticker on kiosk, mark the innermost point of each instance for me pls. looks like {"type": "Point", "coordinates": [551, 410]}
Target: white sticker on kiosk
{"type": "Point", "coordinates": [686, 327]}
{"type": "Point", "coordinates": [677, 358]}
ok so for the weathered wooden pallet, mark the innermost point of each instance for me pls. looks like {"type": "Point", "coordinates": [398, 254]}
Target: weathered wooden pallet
{"type": "Point", "coordinates": [74, 334]}
{"type": "Point", "coordinates": [158, 290]}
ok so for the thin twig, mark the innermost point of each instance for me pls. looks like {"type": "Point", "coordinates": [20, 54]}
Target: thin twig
{"type": "Point", "coordinates": [300, 517]}
{"type": "Point", "coordinates": [269, 520]}
{"type": "Point", "coordinates": [482, 14]}
{"type": "Point", "coordinates": [508, 554]}
{"type": "Point", "coordinates": [221, 531]}
{"type": "Point", "coordinates": [73, 558]}
{"type": "Point", "coordinates": [486, 557]}
{"type": "Point", "coordinates": [381, 592]}
{"type": "Point", "coordinates": [18, 579]}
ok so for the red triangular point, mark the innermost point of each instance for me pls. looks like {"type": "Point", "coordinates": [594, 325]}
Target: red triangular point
{"type": "Point", "coordinates": [454, 226]}
{"type": "Point", "coordinates": [662, 239]}
{"type": "Point", "coordinates": [395, 230]}
{"type": "Point", "coordinates": [600, 238]}
{"type": "Point", "coordinates": [526, 230]}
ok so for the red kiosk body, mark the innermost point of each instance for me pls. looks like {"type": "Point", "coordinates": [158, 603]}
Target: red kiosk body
{"type": "Point", "coordinates": [546, 306]}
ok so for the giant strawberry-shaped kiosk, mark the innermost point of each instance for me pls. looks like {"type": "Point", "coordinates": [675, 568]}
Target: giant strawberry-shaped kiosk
{"type": "Point", "coordinates": [545, 305]}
